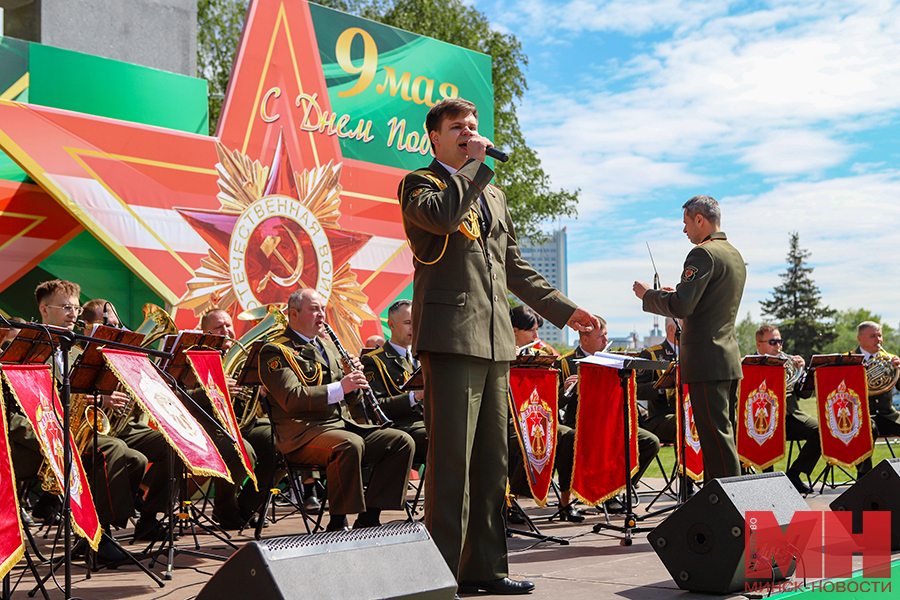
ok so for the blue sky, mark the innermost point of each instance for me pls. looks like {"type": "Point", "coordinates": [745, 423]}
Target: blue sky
{"type": "Point", "coordinates": [785, 112]}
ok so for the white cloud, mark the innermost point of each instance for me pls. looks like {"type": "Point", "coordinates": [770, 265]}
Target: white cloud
{"type": "Point", "coordinates": [849, 225]}
{"type": "Point", "coordinates": [786, 152]}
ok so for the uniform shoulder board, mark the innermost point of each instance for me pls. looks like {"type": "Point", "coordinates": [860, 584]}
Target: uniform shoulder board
{"type": "Point", "coordinates": [655, 348]}
{"type": "Point", "coordinates": [569, 354]}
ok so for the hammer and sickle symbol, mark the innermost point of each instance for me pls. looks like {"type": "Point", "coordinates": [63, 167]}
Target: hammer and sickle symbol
{"type": "Point", "coordinates": [269, 246]}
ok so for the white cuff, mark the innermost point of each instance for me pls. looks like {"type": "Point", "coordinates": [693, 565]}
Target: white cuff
{"type": "Point", "coordinates": [412, 399]}
{"type": "Point", "coordinates": [335, 392]}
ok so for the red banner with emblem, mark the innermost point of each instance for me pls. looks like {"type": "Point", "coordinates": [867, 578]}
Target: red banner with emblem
{"type": "Point", "coordinates": [533, 407]}
{"type": "Point", "coordinates": [207, 368]}
{"type": "Point", "coordinates": [32, 387]}
{"type": "Point", "coordinates": [599, 469]}
{"type": "Point", "coordinates": [761, 410]}
{"type": "Point", "coordinates": [180, 428]}
{"type": "Point", "coordinates": [843, 404]}
{"type": "Point", "coordinates": [12, 544]}
{"type": "Point", "coordinates": [692, 461]}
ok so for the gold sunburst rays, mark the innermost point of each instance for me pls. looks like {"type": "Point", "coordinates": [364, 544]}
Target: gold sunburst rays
{"type": "Point", "coordinates": [242, 181]}
{"type": "Point", "coordinates": [210, 287]}
{"type": "Point", "coordinates": [320, 192]}
{"type": "Point", "coordinates": [348, 307]}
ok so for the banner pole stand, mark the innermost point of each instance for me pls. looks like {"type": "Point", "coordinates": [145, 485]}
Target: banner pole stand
{"type": "Point", "coordinates": [534, 531]}
{"type": "Point", "coordinates": [631, 519]}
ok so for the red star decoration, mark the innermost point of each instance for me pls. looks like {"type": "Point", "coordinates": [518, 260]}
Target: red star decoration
{"type": "Point", "coordinates": [120, 180]}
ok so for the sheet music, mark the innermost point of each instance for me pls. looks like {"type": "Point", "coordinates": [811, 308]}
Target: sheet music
{"type": "Point", "coordinates": [606, 359]}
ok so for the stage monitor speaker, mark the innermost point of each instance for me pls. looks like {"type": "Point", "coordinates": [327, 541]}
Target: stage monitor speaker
{"type": "Point", "coordinates": [702, 542]}
{"type": "Point", "coordinates": [392, 561]}
{"type": "Point", "coordinates": [879, 489]}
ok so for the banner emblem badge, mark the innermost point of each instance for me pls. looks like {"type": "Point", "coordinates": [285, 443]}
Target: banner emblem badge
{"type": "Point", "coordinates": [762, 414]}
{"type": "Point", "coordinates": [537, 431]}
{"type": "Point", "coordinates": [842, 408]}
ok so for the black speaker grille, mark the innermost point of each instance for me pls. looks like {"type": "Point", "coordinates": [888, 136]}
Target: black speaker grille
{"type": "Point", "coordinates": [336, 541]}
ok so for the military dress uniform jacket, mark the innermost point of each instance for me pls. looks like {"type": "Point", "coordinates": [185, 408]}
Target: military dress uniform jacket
{"type": "Point", "coordinates": [707, 301]}
{"type": "Point", "coordinates": [460, 285]}
{"type": "Point", "coordinates": [659, 402]}
{"type": "Point", "coordinates": [386, 370]}
{"type": "Point", "coordinates": [296, 375]}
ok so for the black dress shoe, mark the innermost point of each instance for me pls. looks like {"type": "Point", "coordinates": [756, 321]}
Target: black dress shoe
{"type": "Point", "coordinates": [503, 586]}
{"type": "Point", "coordinates": [614, 506]}
{"type": "Point", "coordinates": [27, 521]}
{"type": "Point", "coordinates": [149, 530]}
{"type": "Point", "coordinates": [338, 523]}
{"type": "Point", "coordinates": [571, 514]}
{"type": "Point", "coordinates": [801, 487]}
{"type": "Point", "coordinates": [109, 553]}
{"type": "Point", "coordinates": [514, 517]}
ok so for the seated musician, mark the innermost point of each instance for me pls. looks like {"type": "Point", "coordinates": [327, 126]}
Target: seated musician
{"type": "Point", "coordinates": [11, 334]}
{"type": "Point", "coordinates": [388, 367]}
{"type": "Point", "coordinates": [99, 311]}
{"type": "Point", "coordinates": [116, 476]}
{"type": "Point", "coordinates": [311, 398]}
{"type": "Point", "coordinates": [885, 418]}
{"type": "Point", "coordinates": [590, 342]}
{"type": "Point", "coordinates": [232, 509]}
{"type": "Point", "coordinates": [797, 424]}
{"type": "Point", "coordinates": [525, 324]}
{"type": "Point", "coordinates": [139, 437]}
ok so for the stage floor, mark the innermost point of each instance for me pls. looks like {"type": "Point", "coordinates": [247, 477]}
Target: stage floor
{"type": "Point", "coordinates": [592, 565]}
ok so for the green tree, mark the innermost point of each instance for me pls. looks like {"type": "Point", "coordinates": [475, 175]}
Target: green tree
{"type": "Point", "coordinates": [845, 323]}
{"type": "Point", "coordinates": [804, 322]}
{"type": "Point", "coordinates": [746, 335]}
{"type": "Point", "coordinates": [532, 200]}
{"type": "Point", "coordinates": [219, 24]}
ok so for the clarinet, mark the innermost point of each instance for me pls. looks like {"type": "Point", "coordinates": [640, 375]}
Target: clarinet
{"type": "Point", "coordinates": [368, 397]}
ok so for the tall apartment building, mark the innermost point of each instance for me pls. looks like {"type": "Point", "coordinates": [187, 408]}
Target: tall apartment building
{"type": "Point", "coordinates": [550, 260]}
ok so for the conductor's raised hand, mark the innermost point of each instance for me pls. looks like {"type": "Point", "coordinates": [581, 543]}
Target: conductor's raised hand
{"type": "Point", "coordinates": [582, 320]}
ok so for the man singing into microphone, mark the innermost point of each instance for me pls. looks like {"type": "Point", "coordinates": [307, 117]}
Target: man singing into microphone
{"type": "Point", "coordinates": [466, 258]}
{"type": "Point", "coordinates": [707, 301]}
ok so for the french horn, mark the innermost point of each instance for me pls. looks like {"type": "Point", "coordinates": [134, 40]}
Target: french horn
{"type": "Point", "coordinates": [881, 374]}
{"type": "Point", "coordinates": [792, 374]}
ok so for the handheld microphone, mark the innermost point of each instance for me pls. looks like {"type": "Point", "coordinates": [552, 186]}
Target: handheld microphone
{"type": "Point", "coordinates": [497, 154]}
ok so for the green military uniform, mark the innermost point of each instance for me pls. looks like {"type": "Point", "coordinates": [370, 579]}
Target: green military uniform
{"type": "Point", "coordinates": [466, 261]}
{"type": "Point", "coordinates": [885, 419]}
{"type": "Point", "coordinates": [386, 370]}
{"type": "Point", "coordinates": [661, 405]}
{"type": "Point", "coordinates": [707, 301]}
{"type": "Point", "coordinates": [648, 444]}
{"type": "Point", "coordinates": [310, 430]}
{"type": "Point", "coordinates": [140, 437]}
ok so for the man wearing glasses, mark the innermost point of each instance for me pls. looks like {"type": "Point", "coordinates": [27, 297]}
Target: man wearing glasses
{"type": "Point", "coordinates": [118, 468]}
{"type": "Point", "coordinates": [797, 424]}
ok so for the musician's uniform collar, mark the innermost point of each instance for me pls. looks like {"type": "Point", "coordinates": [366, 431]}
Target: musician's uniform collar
{"type": "Point", "coordinates": [672, 349]}
{"type": "Point", "coordinates": [866, 355]}
{"type": "Point", "coordinates": [308, 348]}
{"type": "Point", "coordinates": [401, 350]}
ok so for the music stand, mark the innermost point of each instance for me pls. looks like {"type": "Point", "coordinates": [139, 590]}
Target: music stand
{"type": "Point", "coordinates": [543, 361]}
{"type": "Point", "coordinates": [415, 382]}
{"type": "Point", "coordinates": [625, 369]}
{"type": "Point", "coordinates": [189, 514]}
{"type": "Point", "coordinates": [825, 361]}
{"type": "Point", "coordinates": [91, 376]}
{"type": "Point", "coordinates": [64, 340]}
